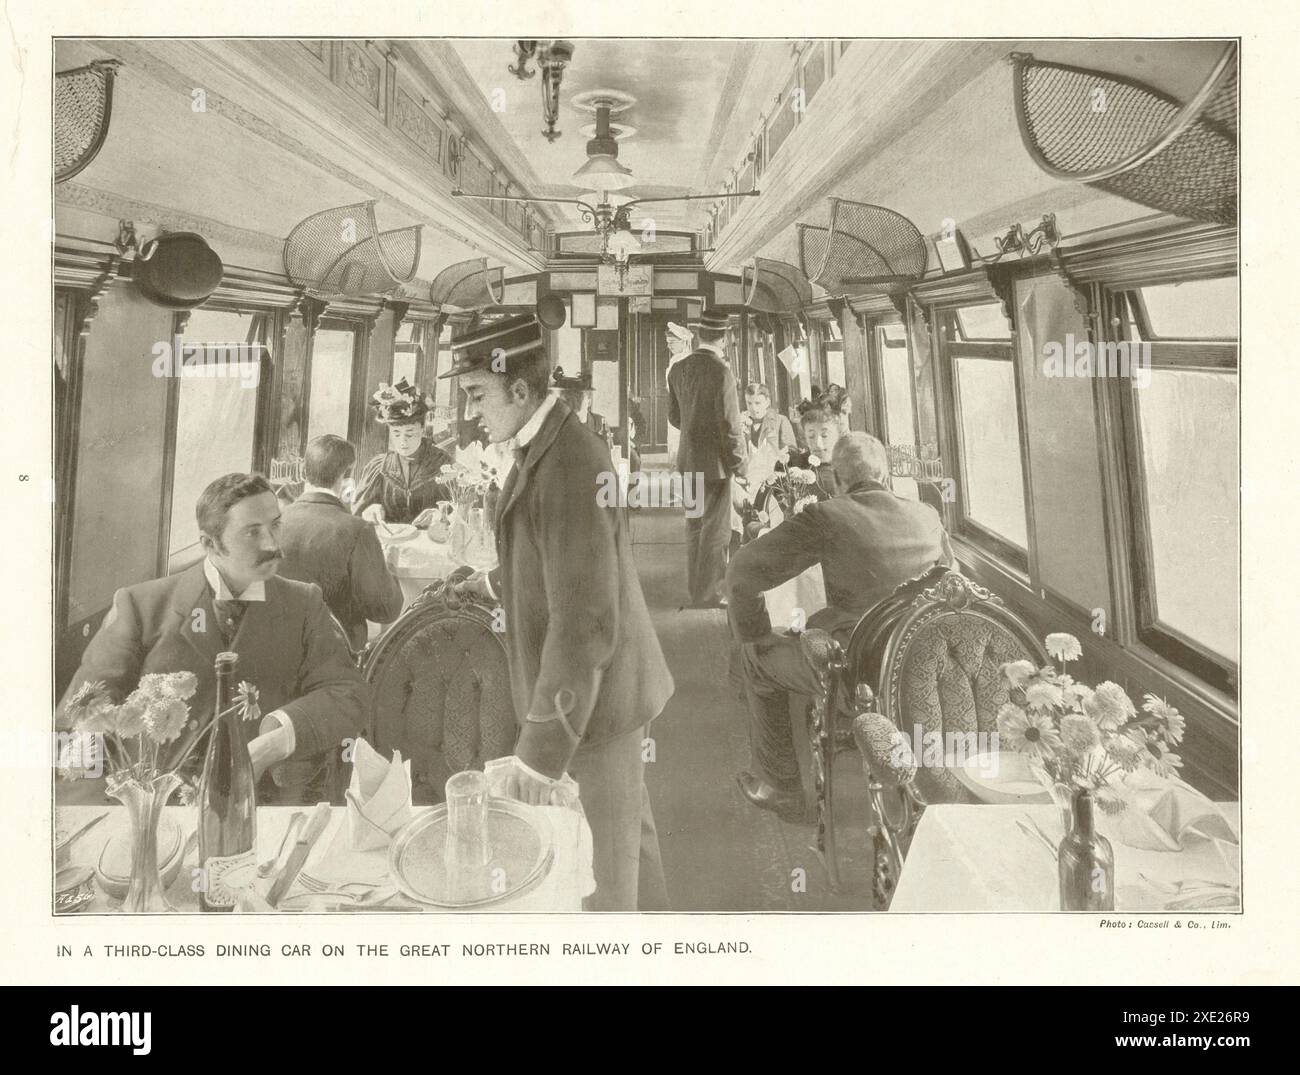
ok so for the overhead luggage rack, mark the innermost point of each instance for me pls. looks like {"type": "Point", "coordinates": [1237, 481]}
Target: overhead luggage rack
{"type": "Point", "coordinates": [865, 248]}
{"type": "Point", "coordinates": [342, 252]}
{"type": "Point", "coordinates": [774, 287]}
{"type": "Point", "coordinates": [1131, 140]}
{"type": "Point", "coordinates": [83, 105]}
{"type": "Point", "coordinates": [468, 285]}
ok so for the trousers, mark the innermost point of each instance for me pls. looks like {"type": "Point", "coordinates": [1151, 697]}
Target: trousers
{"type": "Point", "coordinates": [772, 669]}
{"type": "Point", "coordinates": [625, 845]}
{"type": "Point", "coordinates": [708, 537]}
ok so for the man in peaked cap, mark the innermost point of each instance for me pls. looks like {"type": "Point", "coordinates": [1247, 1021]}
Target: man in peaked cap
{"type": "Point", "coordinates": [704, 404]}
{"type": "Point", "coordinates": [586, 671]}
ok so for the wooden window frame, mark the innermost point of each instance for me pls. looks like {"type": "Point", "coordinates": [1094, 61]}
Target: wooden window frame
{"type": "Point", "coordinates": [1189, 356]}
{"type": "Point", "coordinates": [952, 345]}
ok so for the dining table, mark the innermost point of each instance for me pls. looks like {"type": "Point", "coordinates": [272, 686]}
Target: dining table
{"type": "Point", "coordinates": [335, 863]}
{"type": "Point", "coordinates": [1001, 857]}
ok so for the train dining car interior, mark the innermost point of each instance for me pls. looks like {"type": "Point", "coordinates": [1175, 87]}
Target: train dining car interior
{"type": "Point", "coordinates": [984, 292]}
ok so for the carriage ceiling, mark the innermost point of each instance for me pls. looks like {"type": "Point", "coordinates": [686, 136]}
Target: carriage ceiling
{"type": "Point", "coordinates": [925, 127]}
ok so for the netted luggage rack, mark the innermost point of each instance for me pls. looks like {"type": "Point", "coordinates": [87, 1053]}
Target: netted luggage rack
{"type": "Point", "coordinates": [774, 287]}
{"type": "Point", "coordinates": [1128, 139]}
{"type": "Point", "coordinates": [83, 105]}
{"type": "Point", "coordinates": [468, 285]}
{"type": "Point", "coordinates": [342, 252]}
{"type": "Point", "coordinates": [864, 248]}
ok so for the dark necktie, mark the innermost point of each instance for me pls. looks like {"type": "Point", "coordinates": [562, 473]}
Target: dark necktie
{"type": "Point", "coordinates": [230, 613]}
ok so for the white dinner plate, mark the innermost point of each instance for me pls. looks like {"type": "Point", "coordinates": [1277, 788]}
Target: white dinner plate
{"type": "Point", "coordinates": [1000, 776]}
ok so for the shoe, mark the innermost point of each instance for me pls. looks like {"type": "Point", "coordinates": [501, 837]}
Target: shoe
{"type": "Point", "coordinates": [786, 805]}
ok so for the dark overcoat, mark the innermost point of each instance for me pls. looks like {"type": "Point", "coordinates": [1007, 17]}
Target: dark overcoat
{"type": "Point", "coordinates": [703, 404]}
{"type": "Point", "coordinates": [575, 617]}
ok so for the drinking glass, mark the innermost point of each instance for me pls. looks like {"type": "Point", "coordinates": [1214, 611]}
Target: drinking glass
{"type": "Point", "coordinates": [467, 822]}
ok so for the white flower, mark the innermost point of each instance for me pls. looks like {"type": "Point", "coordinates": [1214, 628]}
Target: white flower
{"type": "Point", "coordinates": [814, 460]}
{"type": "Point", "coordinates": [1028, 733]}
{"type": "Point", "coordinates": [1063, 647]}
{"type": "Point", "coordinates": [1042, 694]}
{"type": "Point", "coordinates": [1172, 722]}
{"type": "Point", "coordinates": [1079, 733]}
{"type": "Point", "coordinates": [1109, 706]}
{"type": "Point", "coordinates": [803, 502]}
{"type": "Point", "coordinates": [1017, 673]}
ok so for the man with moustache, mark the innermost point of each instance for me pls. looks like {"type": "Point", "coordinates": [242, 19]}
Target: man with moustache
{"type": "Point", "coordinates": [586, 671]}
{"type": "Point", "coordinates": [288, 645]}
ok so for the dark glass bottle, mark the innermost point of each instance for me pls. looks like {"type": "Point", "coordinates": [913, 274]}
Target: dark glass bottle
{"type": "Point", "coordinates": [227, 801]}
{"type": "Point", "coordinates": [1085, 862]}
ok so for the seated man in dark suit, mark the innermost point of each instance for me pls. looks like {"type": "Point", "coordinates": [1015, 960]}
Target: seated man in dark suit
{"type": "Point", "coordinates": [868, 541]}
{"type": "Point", "coordinates": [324, 543]}
{"type": "Point", "coordinates": [289, 646]}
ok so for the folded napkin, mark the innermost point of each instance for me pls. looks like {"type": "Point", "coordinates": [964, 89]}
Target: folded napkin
{"type": "Point", "coordinates": [379, 797]}
{"type": "Point", "coordinates": [1163, 813]}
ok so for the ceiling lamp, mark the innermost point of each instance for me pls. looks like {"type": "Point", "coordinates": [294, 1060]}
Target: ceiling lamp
{"type": "Point", "coordinates": [602, 171]}
{"type": "Point", "coordinates": [552, 57]}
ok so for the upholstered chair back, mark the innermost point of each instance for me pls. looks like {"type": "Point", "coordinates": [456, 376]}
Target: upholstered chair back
{"type": "Point", "coordinates": [937, 654]}
{"type": "Point", "coordinates": [441, 691]}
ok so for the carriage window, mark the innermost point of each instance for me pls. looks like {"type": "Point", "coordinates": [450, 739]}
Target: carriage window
{"type": "Point", "coordinates": [1191, 502]}
{"type": "Point", "coordinates": [1192, 310]}
{"type": "Point", "coordinates": [896, 384]}
{"type": "Point", "coordinates": [986, 322]}
{"type": "Point", "coordinates": [215, 418]}
{"type": "Point", "coordinates": [989, 468]}
{"type": "Point", "coordinates": [1185, 504]}
{"type": "Point", "coordinates": [993, 491]}
{"type": "Point", "coordinates": [331, 382]}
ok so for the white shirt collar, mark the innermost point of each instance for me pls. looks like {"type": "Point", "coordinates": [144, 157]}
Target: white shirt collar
{"type": "Point", "coordinates": [719, 349]}
{"type": "Point", "coordinates": [529, 429]}
{"type": "Point", "coordinates": [307, 487]}
{"type": "Point", "coordinates": [256, 589]}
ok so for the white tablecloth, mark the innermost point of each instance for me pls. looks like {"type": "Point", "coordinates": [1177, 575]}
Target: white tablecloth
{"type": "Point", "coordinates": [418, 562]}
{"type": "Point", "coordinates": [976, 858]}
{"type": "Point", "coordinates": [570, 878]}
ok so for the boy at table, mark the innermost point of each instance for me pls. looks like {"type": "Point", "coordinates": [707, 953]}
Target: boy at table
{"type": "Point", "coordinates": [586, 671]}
{"type": "Point", "coordinates": [868, 541]}
{"type": "Point", "coordinates": [289, 646]}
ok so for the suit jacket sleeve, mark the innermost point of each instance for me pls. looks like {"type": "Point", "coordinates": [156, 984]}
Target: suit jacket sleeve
{"type": "Point", "coordinates": [767, 561]}
{"type": "Point", "coordinates": [332, 696]}
{"type": "Point", "coordinates": [115, 654]}
{"type": "Point", "coordinates": [731, 431]}
{"type": "Point", "coordinates": [377, 593]}
{"type": "Point", "coordinates": [580, 575]}
{"type": "Point", "coordinates": [370, 489]}
{"type": "Point", "coordinates": [674, 407]}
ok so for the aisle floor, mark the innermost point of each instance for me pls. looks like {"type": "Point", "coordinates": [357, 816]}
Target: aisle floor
{"type": "Point", "coordinates": [721, 853]}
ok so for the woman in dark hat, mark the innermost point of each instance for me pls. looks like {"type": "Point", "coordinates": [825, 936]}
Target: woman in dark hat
{"type": "Point", "coordinates": [397, 485]}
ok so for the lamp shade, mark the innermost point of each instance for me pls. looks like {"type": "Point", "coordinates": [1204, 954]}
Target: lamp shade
{"type": "Point", "coordinates": [602, 172]}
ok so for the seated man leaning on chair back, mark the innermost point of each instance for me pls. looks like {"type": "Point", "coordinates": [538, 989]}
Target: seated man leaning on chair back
{"type": "Point", "coordinates": [868, 541]}
{"type": "Point", "coordinates": [288, 644]}
{"type": "Point", "coordinates": [324, 543]}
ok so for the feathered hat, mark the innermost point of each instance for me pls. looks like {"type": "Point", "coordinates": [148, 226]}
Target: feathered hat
{"type": "Point", "coordinates": [401, 402]}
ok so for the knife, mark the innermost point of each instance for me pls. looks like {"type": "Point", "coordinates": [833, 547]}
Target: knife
{"type": "Point", "coordinates": [311, 832]}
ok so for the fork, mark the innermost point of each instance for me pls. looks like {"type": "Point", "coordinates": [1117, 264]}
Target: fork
{"type": "Point", "coordinates": [315, 884]}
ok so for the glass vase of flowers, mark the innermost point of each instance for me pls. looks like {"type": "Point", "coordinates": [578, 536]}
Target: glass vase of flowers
{"type": "Point", "coordinates": [144, 742]}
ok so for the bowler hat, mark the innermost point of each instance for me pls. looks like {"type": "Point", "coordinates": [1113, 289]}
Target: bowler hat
{"type": "Point", "coordinates": [178, 270]}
